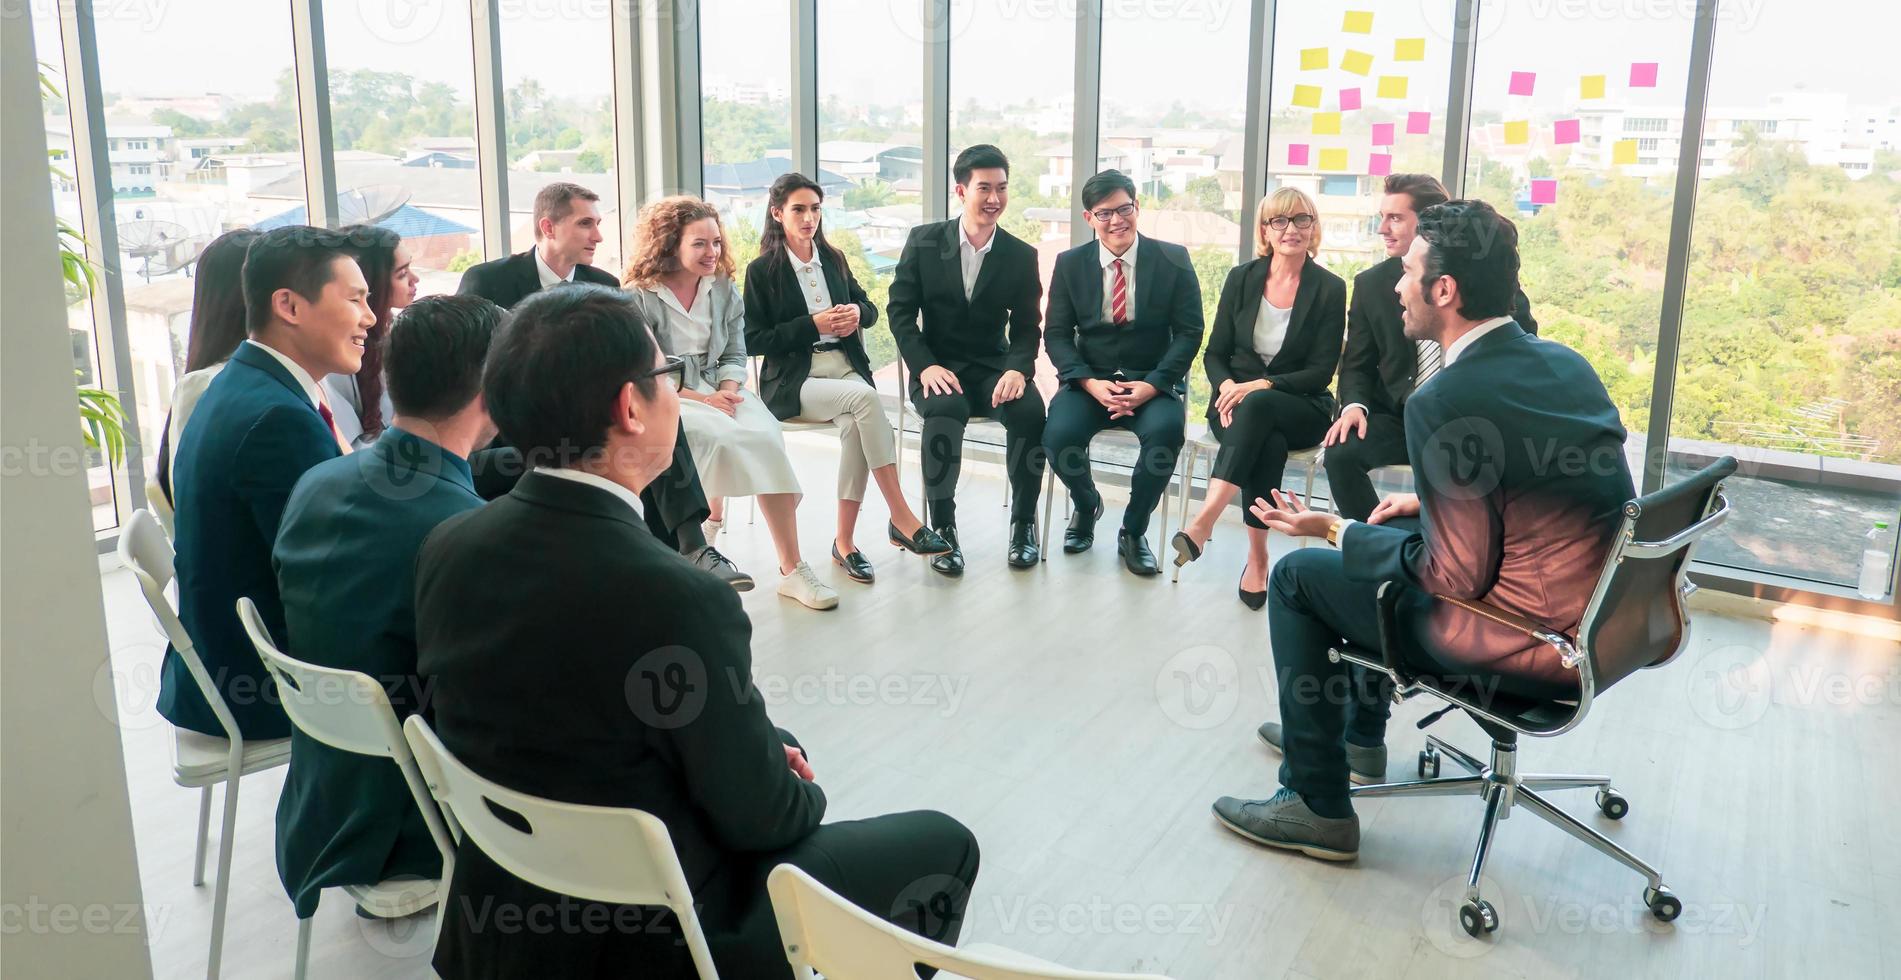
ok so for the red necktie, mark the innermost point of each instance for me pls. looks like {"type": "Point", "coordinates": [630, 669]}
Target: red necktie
{"type": "Point", "coordinates": [330, 420]}
{"type": "Point", "coordinates": [1119, 297]}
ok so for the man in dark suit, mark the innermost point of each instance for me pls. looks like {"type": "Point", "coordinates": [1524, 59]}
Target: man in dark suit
{"type": "Point", "coordinates": [1124, 324]}
{"type": "Point", "coordinates": [567, 231]}
{"type": "Point", "coordinates": [261, 423]}
{"type": "Point", "coordinates": [602, 668]}
{"type": "Point", "coordinates": [1520, 459]}
{"type": "Point", "coordinates": [1380, 367]}
{"type": "Point", "coordinates": [965, 307]}
{"type": "Point", "coordinates": [346, 561]}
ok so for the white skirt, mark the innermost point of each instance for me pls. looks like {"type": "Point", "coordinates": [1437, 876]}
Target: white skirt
{"type": "Point", "coordinates": [738, 455]}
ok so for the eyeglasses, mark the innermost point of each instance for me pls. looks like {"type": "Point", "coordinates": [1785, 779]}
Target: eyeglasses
{"type": "Point", "coordinates": [1279, 222]}
{"type": "Point", "coordinates": [1105, 214]}
{"type": "Point", "coordinates": [672, 370]}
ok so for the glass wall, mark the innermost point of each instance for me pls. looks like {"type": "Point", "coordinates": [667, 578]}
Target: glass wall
{"type": "Point", "coordinates": [746, 113]}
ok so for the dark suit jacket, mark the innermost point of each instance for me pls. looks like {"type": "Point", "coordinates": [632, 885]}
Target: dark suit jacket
{"type": "Point", "coordinates": [601, 669]}
{"type": "Point", "coordinates": [252, 435]}
{"type": "Point", "coordinates": [778, 326]}
{"type": "Point", "coordinates": [508, 281]}
{"type": "Point", "coordinates": [346, 567]}
{"type": "Point", "coordinates": [1158, 343]}
{"type": "Point", "coordinates": [935, 325]}
{"type": "Point", "coordinates": [1519, 458]}
{"type": "Point", "coordinates": [1378, 366]}
{"type": "Point", "coordinates": [1311, 350]}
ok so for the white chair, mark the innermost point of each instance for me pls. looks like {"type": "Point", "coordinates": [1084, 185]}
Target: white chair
{"type": "Point", "coordinates": [350, 711]}
{"type": "Point", "coordinates": [199, 761]}
{"type": "Point", "coordinates": [1162, 507]}
{"type": "Point", "coordinates": [1208, 443]}
{"type": "Point", "coordinates": [827, 934]}
{"type": "Point", "coordinates": [598, 853]}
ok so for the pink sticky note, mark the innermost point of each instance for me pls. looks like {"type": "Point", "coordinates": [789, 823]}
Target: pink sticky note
{"type": "Point", "coordinates": [1379, 164]}
{"type": "Point", "coordinates": [1349, 98]}
{"type": "Point", "coordinates": [1544, 191]}
{"type": "Point", "coordinates": [1522, 82]}
{"type": "Point", "coordinates": [1382, 134]}
{"type": "Point", "coordinates": [1419, 122]}
{"type": "Point", "coordinates": [1297, 154]}
{"type": "Point", "coordinates": [1564, 131]}
{"type": "Point", "coordinates": [1643, 74]}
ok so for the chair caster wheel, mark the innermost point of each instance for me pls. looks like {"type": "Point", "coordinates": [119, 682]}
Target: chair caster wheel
{"type": "Point", "coordinates": [1663, 903]}
{"type": "Point", "coordinates": [1478, 918]}
{"type": "Point", "coordinates": [1612, 804]}
{"type": "Point", "coordinates": [1428, 763]}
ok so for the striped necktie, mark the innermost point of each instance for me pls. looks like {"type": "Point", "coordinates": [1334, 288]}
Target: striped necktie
{"type": "Point", "coordinates": [1119, 298]}
{"type": "Point", "coordinates": [1431, 358]}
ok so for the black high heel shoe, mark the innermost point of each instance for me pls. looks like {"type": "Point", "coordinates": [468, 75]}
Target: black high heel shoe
{"type": "Point", "coordinates": [1252, 600]}
{"type": "Point", "coordinates": [925, 542]}
{"type": "Point", "coordinates": [1185, 548]}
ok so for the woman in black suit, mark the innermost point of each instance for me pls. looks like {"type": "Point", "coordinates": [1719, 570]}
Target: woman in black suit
{"type": "Point", "coordinates": [1271, 353]}
{"type": "Point", "coordinates": [806, 313]}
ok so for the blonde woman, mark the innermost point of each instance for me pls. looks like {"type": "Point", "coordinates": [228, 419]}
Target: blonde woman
{"type": "Point", "coordinates": [1272, 351]}
{"type": "Point", "coordinates": [681, 279]}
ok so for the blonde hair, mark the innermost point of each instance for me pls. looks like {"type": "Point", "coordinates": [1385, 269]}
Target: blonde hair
{"type": "Point", "coordinates": [1288, 201]}
{"type": "Point", "coordinates": [655, 242]}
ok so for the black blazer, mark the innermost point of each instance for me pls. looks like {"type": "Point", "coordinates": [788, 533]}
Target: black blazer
{"type": "Point", "coordinates": [1378, 366]}
{"type": "Point", "coordinates": [1158, 343]}
{"type": "Point", "coordinates": [935, 325]}
{"type": "Point", "coordinates": [602, 669]}
{"type": "Point", "coordinates": [778, 326]}
{"type": "Point", "coordinates": [508, 281]}
{"type": "Point", "coordinates": [1309, 354]}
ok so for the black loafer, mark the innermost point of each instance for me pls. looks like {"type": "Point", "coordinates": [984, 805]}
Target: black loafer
{"type": "Point", "coordinates": [924, 542]}
{"type": "Point", "coordinates": [951, 562]}
{"type": "Point", "coordinates": [1023, 550]}
{"type": "Point", "coordinates": [1134, 549]}
{"type": "Point", "coordinates": [1082, 529]}
{"type": "Point", "coordinates": [857, 567]}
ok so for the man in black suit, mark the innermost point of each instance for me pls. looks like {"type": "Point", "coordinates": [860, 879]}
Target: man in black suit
{"type": "Point", "coordinates": [567, 231]}
{"type": "Point", "coordinates": [574, 657]}
{"type": "Point", "coordinates": [1522, 478]}
{"type": "Point", "coordinates": [1124, 324]}
{"type": "Point", "coordinates": [961, 284]}
{"type": "Point", "coordinates": [1381, 367]}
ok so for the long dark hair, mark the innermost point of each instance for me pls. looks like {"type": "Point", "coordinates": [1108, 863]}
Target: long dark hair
{"type": "Point", "coordinates": [217, 300]}
{"type": "Point", "coordinates": [772, 239]}
{"type": "Point", "coordinates": [375, 251]}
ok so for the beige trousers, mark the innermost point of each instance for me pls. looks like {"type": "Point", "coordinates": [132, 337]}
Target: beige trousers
{"type": "Point", "coordinates": [835, 393]}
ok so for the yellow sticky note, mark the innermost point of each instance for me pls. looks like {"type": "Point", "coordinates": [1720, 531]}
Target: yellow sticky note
{"type": "Point", "coordinates": [1624, 151]}
{"type": "Point", "coordinates": [1591, 87]}
{"type": "Point", "coordinates": [1392, 87]}
{"type": "Point", "coordinates": [1326, 124]}
{"type": "Point", "coordinates": [1358, 22]}
{"type": "Point", "coordinates": [1409, 49]}
{"type": "Point", "coordinates": [1517, 133]}
{"type": "Point", "coordinates": [1357, 62]}
{"type": "Point", "coordinates": [1334, 158]}
{"type": "Point", "coordinates": [1307, 96]}
{"type": "Point", "coordinates": [1312, 58]}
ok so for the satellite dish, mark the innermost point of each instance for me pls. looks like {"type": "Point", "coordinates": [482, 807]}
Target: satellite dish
{"type": "Point", "coordinates": [371, 204]}
{"type": "Point", "coordinates": [165, 246]}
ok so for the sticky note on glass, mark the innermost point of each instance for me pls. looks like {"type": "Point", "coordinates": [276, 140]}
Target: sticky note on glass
{"type": "Point", "coordinates": [1349, 99]}
{"type": "Point", "coordinates": [1517, 132]}
{"type": "Point", "coordinates": [1326, 124]}
{"type": "Point", "coordinates": [1409, 49]}
{"type": "Point", "coordinates": [1564, 131]}
{"type": "Point", "coordinates": [1591, 87]}
{"type": "Point", "coordinates": [1624, 151]}
{"type": "Point", "coordinates": [1307, 96]}
{"type": "Point", "coordinates": [1523, 82]}
{"type": "Point", "coordinates": [1312, 58]}
{"type": "Point", "coordinates": [1357, 62]}
{"type": "Point", "coordinates": [1544, 191]}
{"type": "Point", "coordinates": [1357, 22]}
{"type": "Point", "coordinates": [1392, 87]}
{"type": "Point", "coordinates": [1379, 164]}
{"type": "Point", "coordinates": [1297, 155]}
{"type": "Point", "coordinates": [1333, 158]}
{"type": "Point", "coordinates": [1382, 134]}
{"type": "Point", "coordinates": [1643, 74]}
{"type": "Point", "coordinates": [1418, 122]}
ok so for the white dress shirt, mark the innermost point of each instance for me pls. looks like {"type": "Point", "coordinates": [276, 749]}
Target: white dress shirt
{"type": "Point", "coordinates": [818, 296]}
{"type": "Point", "coordinates": [1109, 278]}
{"type": "Point", "coordinates": [1270, 329]}
{"type": "Point", "coordinates": [972, 256]}
{"type": "Point", "coordinates": [548, 278]}
{"type": "Point", "coordinates": [1458, 346]}
{"type": "Point", "coordinates": [692, 330]}
{"type": "Point", "coordinates": [625, 495]}
{"type": "Point", "coordinates": [308, 383]}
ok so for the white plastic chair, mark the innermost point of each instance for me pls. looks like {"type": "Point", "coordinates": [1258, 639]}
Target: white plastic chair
{"type": "Point", "coordinates": [598, 853]}
{"type": "Point", "coordinates": [1208, 443]}
{"type": "Point", "coordinates": [350, 711]}
{"type": "Point", "coordinates": [199, 761]}
{"type": "Point", "coordinates": [823, 932]}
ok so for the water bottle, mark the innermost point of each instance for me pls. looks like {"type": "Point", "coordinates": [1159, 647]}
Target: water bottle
{"type": "Point", "coordinates": [1877, 550]}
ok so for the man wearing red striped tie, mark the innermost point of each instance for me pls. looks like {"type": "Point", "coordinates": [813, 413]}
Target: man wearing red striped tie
{"type": "Point", "coordinates": [1124, 324]}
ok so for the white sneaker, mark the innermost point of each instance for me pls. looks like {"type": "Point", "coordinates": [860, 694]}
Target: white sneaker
{"type": "Point", "coordinates": [711, 529]}
{"type": "Point", "coordinates": [803, 584]}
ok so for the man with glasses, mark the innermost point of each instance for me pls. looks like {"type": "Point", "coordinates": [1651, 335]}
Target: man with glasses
{"type": "Point", "coordinates": [1124, 324]}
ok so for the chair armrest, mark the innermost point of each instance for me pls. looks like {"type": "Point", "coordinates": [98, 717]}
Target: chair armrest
{"type": "Point", "coordinates": [1556, 639]}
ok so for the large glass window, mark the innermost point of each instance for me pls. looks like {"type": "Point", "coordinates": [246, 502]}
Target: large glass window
{"type": "Point", "coordinates": [746, 113]}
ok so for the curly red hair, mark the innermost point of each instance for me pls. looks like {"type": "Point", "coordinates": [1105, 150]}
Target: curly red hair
{"type": "Point", "coordinates": [655, 242]}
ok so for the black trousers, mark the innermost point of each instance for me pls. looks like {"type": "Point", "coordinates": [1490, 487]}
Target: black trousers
{"type": "Point", "coordinates": [1160, 426]}
{"type": "Point", "coordinates": [673, 504]}
{"type": "Point", "coordinates": [1267, 426]}
{"type": "Point", "coordinates": [1349, 463]}
{"type": "Point", "coordinates": [943, 420]}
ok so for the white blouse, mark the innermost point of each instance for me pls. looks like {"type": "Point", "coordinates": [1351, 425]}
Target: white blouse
{"type": "Point", "coordinates": [692, 330]}
{"type": "Point", "coordinates": [1270, 329]}
{"type": "Point", "coordinates": [818, 296]}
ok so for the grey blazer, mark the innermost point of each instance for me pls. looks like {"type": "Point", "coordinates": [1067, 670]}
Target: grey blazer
{"type": "Point", "coordinates": [727, 343]}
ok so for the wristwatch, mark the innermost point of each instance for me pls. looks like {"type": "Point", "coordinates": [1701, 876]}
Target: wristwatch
{"type": "Point", "coordinates": [1335, 529]}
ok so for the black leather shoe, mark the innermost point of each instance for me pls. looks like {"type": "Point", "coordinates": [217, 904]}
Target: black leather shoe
{"type": "Point", "coordinates": [1023, 550]}
{"type": "Point", "coordinates": [950, 562]}
{"type": "Point", "coordinates": [1134, 549]}
{"type": "Point", "coordinates": [857, 567]}
{"type": "Point", "coordinates": [924, 542]}
{"type": "Point", "coordinates": [1252, 600]}
{"type": "Point", "coordinates": [1082, 529]}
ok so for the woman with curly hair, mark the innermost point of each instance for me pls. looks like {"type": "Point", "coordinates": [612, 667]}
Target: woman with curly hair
{"type": "Point", "coordinates": [681, 279]}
